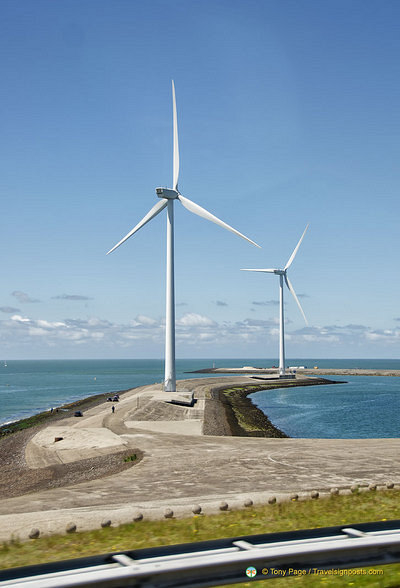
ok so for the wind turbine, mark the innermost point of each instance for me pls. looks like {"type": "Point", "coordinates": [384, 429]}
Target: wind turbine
{"type": "Point", "coordinates": [168, 196]}
{"type": "Point", "coordinates": [282, 273]}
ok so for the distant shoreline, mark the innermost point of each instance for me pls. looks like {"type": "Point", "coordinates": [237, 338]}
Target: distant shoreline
{"type": "Point", "coordinates": [306, 371]}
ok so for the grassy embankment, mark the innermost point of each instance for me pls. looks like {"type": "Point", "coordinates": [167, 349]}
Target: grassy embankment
{"type": "Point", "coordinates": [58, 413]}
{"type": "Point", "coordinates": [335, 510]}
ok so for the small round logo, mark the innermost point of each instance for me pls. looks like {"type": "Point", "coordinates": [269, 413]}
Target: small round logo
{"type": "Point", "coordinates": [251, 572]}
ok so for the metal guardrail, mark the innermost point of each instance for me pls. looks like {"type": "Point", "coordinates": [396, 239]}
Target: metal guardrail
{"type": "Point", "coordinates": [224, 561]}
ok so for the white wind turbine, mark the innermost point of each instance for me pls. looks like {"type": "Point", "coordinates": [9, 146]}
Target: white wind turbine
{"type": "Point", "coordinates": [282, 273]}
{"type": "Point", "coordinates": [168, 195]}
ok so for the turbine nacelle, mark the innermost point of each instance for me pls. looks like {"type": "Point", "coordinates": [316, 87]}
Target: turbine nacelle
{"type": "Point", "coordinates": [283, 272]}
{"type": "Point", "coordinates": [167, 193]}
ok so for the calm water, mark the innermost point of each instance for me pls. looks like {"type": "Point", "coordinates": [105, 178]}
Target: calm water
{"type": "Point", "coordinates": [365, 407]}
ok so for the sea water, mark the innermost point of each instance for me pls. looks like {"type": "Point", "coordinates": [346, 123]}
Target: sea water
{"type": "Point", "coordinates": [29, 387]}
{"type": "Point", "coordinates": [362, 407]}
{"type": "Point", "coordinates": [365, 407]}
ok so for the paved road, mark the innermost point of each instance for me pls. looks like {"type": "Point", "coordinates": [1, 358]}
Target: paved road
{"type": "Point", "coordinates": [181, 467]}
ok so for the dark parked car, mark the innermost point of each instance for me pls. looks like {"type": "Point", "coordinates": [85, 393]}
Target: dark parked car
{"type": "Point", "coordinates": [78, 413]}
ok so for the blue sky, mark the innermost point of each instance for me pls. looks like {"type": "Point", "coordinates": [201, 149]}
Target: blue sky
{"type": "Point", "coordinates": [288, 114]}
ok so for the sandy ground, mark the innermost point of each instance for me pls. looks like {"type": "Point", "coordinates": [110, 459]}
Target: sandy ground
{"type": "Point", "coordinates": [185, 456]}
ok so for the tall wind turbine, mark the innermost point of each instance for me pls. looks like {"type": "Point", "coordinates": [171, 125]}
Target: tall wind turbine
{"type": "Point", "coordinates": [168, 196]}
{"type": "Point", "coordinates": [282, 273]}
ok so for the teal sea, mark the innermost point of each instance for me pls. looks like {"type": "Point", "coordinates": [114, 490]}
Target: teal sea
{"type": "Point", "coordinates": [366, 406]}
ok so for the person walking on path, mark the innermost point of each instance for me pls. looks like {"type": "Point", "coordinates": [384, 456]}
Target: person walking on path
{"type": "Point", "coordinates": [113, 409]}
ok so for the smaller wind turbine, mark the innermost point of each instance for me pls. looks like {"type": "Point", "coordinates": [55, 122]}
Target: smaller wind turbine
{"type": "Point", "coordinates": [282, 273]}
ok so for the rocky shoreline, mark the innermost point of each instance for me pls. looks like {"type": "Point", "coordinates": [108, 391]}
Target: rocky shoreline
{"type": "Point", "coordinates": [242, 417]}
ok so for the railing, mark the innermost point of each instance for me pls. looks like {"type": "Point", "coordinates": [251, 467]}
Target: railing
{"type": "Point", "coordinates": [224, 561]}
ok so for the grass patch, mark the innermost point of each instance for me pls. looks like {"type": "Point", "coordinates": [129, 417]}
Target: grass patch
{"type": "Point", "coordinates": [130, 457]}
{"type": "Point", "coordinates": [60, 412]}
{"type": "Point", "coordinates": [335, 510]}
{"type": "Point", "coordinates": [41, 417]}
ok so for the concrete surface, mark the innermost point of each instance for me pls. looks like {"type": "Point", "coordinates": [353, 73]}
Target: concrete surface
{"type": "Point", "coordinates": [182, 467]}
{"type": "Point", "coordinates": [44, 450]}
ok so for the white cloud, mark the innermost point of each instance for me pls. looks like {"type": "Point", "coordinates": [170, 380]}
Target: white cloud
{"type": "Point", "coordinates": [391, 336]}
{"type": "Point", "coordinates": [191, 319]}
{"type": "Point", "coordinates": [142, 319]}
{"type": "Point", "coordinates": [19, 319]}
{"type": "Point", "coordinates": [348, 335]}
{"type": "Point", "coordinates": [37, 332]}
{"type": "Point", "coordinates": [194, 330]}
{"type": "Point", "coordinates": [48, 325]}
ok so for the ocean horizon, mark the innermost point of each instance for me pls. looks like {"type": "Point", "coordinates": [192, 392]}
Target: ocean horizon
{"type": "Point", "coordinates": [364, 407]}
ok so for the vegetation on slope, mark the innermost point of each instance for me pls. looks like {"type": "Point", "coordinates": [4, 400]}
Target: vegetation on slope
{"type": "Point", "coordinates": [335, 510]}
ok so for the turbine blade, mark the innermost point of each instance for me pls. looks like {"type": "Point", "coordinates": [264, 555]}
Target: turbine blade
{"type": "Point", "coordinates": [176, 144]}
{"type": "Point", "coordinates": [289, 285]}
{"type": "Point", "coordinates": [196, 209]}
{"type": "Point", "coordinates": [150, 215]}
{"type": "Point", "coordinates": [291, 258]}
{"type": "Point", "coordinates": [267, 271]}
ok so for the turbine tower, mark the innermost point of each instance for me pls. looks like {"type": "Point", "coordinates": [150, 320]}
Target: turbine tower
{"type": "Point", "coordinates": [282, 273]}
{"type": "Point", "coordinates": [168, 196]}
